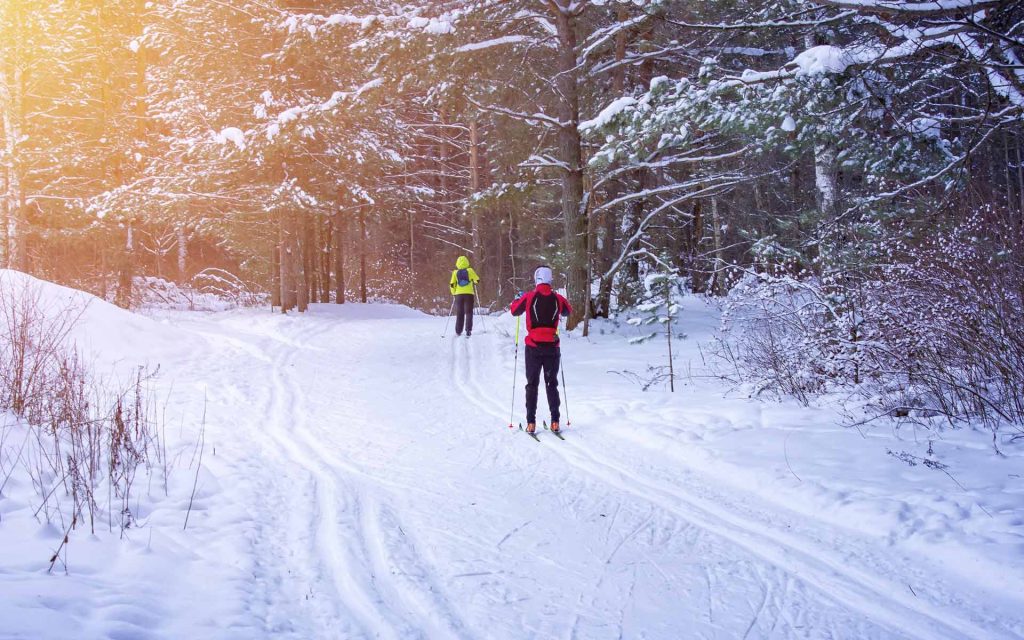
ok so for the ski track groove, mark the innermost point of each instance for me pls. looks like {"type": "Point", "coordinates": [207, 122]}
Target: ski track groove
{"type": "Point", "coordinates": [374, 577]}
{"type": "Point", "coordinates": [341, 551]}
{"type": "Point", "coordinates": [407, 609]}
{"type": "Point", "coordinates": [830, 577]}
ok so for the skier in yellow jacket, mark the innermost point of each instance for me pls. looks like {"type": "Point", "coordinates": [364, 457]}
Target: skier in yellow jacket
{"type": "Point", "coordinates": [463, 284]}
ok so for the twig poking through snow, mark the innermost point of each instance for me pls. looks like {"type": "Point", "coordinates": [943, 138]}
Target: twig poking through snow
{"type": "Point", "coordinates": [199, 464]}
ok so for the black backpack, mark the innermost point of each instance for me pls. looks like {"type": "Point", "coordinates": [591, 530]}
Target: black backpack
{"type": "Point", "coordinates": [462, 277]}
{"type": "Point", "coordinates": [544, 311]}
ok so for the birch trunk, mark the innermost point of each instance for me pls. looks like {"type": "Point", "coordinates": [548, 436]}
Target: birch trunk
{"type": "Point", "coordinates": [12, 105]}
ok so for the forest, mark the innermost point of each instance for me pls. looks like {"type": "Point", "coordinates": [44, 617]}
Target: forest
{"type": "Point", "coordinates": [846, 176]}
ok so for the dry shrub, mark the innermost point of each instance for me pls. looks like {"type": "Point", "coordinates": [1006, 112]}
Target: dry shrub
{"type": "Point", "coordinates": [84, 438]}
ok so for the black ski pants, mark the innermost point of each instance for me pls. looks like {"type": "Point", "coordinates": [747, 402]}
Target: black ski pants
{"type": "Point", "coordinates": [546, 358]}
{"type": "Point", "coordinates": [464, 313]}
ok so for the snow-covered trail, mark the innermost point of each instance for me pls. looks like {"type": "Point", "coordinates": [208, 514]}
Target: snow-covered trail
{"type": "Point", "coordinates": [386, 498]}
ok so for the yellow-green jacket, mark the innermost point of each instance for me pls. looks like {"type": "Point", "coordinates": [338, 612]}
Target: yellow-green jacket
{"type": "Point", "coordinates": [463, 263]}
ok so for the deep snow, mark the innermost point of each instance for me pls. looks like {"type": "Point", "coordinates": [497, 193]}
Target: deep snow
{"type": "Point", "coordinates": [359, 481]}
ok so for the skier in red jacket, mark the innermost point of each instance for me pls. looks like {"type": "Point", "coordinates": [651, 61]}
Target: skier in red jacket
{"type": "Point", "coordinates": [543, 308]}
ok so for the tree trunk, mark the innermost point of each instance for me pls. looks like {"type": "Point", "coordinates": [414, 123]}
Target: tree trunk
{"type": "Point", "coordinates": [474, 188]}
{"type": "Point", "coordinates": [634, 214]}
{"type": "Point", "coordinates": [630, 279]}
{"type": "Point", "coordinates": [826, 192]}
{"type": "Point", "coordinates": [697, 275]}
{"type": "Point", "coordinates": [362, 255]}
{"type": "Point", "coordinates": [288, 250]}
{"type": "Point", "coordinates": [718, 272]}
{"type": "Point", "coordinates": [126, 270]}
{"type": "Point", "coordinates": [668, 335]}
{"type": "Point", "coordinates": [310, 251]}
{"type": "Point", "coordinates": [275, 285]}
{"type": "Point", "coordinates": [338, 231]}
{"type": "Point", "coordinates": [609, 221]}
{"type": "Point", "coordinates": [570, 153]}
{"type": "Point", "coordinates": [182, 240]}
{"type": "Point", "coordinates": [324, 259]}
{"type": "Point", "coordinates": [12, 106]}
{"type": "Point", "coordinates": [300, 260]}
{"type": "Point", "coordinates": [3, 206]}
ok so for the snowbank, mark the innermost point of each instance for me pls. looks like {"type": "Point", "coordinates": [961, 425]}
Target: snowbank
{"type": "Point", "coordinates": [104, 331]}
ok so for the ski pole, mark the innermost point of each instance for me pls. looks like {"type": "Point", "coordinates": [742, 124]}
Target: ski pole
{"type": "Point", "coordinates": [450, 312]}
{"type": "Point", "coordinates": [565, 391]}
{"type": "Point", "coordinates": [515, 367]}
{"type": "Point", "coordinates": [476, 290]}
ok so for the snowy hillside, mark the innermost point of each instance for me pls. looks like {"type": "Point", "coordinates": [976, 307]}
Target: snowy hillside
{"type": "Point", "coordinates": [359, 480]}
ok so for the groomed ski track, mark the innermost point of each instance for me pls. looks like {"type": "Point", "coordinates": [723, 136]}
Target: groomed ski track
{"type": "Point", "coordinates": [386, 498]}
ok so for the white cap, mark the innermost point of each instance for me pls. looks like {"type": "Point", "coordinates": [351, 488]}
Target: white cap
{"type": "Point", "coordinates": [542, 275]}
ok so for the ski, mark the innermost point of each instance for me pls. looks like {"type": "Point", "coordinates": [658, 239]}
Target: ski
{"type": "Point", "coordinates": [558, 434]}
{"type": "Point", "coordinates": [532, 435]}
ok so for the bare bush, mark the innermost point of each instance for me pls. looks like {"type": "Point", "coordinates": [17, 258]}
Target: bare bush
{"type": "Point", "coordinates": [934, 331]}
{"type": "Point", "coordinates": [85, 439]}
{"type": "Point", "coordinates": [32, 338]}
{"type": "Point", "coordinates": [227, 286]}
{"type": "Point", "coordinates": [951, 312]}
{"type": "Point", "coordinates": [796, 337]}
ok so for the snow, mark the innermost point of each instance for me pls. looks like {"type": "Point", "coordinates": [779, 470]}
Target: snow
{"type": "Point", "coordinates": [608, 113]}
{"type": "Point", "coordinates": [361, 481]}
{"type": "Point", "coordinates": [926, 128]}
{"type": "Point", "coordinates": [494, 42]}
{"type": "Point", "coordinates": [822, 59]}
{"type": "Point", "coordinates": [788, 124]}
{"type": "Point", "coordinates": [436, 26]}
{"type": "Point", "coordinates": [233, 135]}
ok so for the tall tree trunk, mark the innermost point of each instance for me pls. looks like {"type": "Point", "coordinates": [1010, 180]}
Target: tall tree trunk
{"type": "Point", "coordinates": [275, 278]}
{"type": "Point", "coordinates": [301, 279]}
{"type": "Point", "coordinates": [126, 277]}
{"type": "Point", "coordinates": [362, 254]}
{"type": "Point", "coordinates": [513, 244]}
{"type": "Point", "coordinates": [3, 205]}
{"type": "Point", "coordinates": [474, 189]}
{"type": "Point", "coordinates": [126, 270]}
{"type": "Point", "coordinates": [697, 275]}
{"type": "Point", "coordinates": [442, 163]}
{"type": "Point", "coordinates": [182, 240]}
{"type": "Point", "coordinates": [718, 273]}
{"type": "Point", "coordinates": [324, 258]}
{"type": "Point", "coordinates": [827, 190]}
{"type": "Point", "coordinates": [289, 252]}
{"type": "Point", "coordinates": [1020, 180]}
{"type": "Point", "coordinates": [570, 153]}
{"type": "Point", "coordinates": [309, 256]}
{"type": "Point", "coordinates": [634, 214]}
{"type": "Point", "coordinates": [12, 106]}
{"type": "Point", "coordinates": [630, 279]}
{"type": "Point", "coordinates": [608, 220]}
{"type": "Point", "coordinates": [338, 231]}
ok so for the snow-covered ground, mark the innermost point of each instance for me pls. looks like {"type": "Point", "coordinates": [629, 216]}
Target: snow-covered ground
{"type": "Point", "coordinates": [359, 481]}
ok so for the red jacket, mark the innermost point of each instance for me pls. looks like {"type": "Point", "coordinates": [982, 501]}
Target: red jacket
{"type": "Point", "coordinates": [540, 330]}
